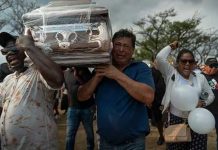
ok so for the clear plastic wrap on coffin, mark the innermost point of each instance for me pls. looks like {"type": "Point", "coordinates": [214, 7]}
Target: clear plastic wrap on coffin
{"type": "Point", "coordinates": [71, 32]}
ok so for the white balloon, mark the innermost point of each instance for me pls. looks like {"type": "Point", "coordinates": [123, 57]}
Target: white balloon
{"type": "Point", "coordinates": [201, 121]}
{"type": "Point", "coordinates": [184, 97]}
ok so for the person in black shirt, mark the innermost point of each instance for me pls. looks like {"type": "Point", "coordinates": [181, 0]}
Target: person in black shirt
{"type": "Point", "coordinates": [78, 111]}
{"type": "Point", "coordinates": [210, 71]}
{"type": "Point", "coordinates": [156, 113]}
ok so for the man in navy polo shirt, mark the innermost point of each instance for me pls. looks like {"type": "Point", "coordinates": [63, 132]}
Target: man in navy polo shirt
{"type": "Point", "coordinates": [121, 90]}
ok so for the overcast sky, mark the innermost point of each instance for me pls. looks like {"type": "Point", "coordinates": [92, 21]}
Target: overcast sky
{"type": "Point", "coordinates": [124, 12]}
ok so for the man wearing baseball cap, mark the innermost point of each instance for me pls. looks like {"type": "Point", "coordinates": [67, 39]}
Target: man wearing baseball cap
{"type": "Point", "coordinates": [212, 62]}
{"type": "Point", "coordinates": [26, 96]}
{"type": "Point", "coordinates": [210, 71]}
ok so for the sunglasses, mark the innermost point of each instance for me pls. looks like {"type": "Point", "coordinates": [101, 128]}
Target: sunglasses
{"type": "Point", "coordinates": [4, 51]}
{"type": "Point", "coordinates": [190, 61]}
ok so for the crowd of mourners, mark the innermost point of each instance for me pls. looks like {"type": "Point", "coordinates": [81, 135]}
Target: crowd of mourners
{"type": "Point", "coordinates": [123, 94]}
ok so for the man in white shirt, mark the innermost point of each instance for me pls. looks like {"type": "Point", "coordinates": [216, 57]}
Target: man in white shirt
{"type": "Point", "coordinates": [27, 96]}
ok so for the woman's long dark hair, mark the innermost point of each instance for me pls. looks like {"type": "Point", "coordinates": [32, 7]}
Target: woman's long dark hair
{"type": "Point", "coordinates": [184, 51]}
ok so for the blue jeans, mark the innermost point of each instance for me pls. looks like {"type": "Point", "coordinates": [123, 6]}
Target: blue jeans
{"type": "Point", "coordinates": [135, 144]}
{"type": "Point", "coordinates": [74, 117]}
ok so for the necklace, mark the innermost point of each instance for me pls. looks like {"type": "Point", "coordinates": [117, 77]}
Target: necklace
{"type": "Point", "coordinates": [190, 82]}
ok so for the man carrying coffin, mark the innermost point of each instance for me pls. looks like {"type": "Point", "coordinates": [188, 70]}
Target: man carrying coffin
{"type": "Point", "coordinates": [26, 96]}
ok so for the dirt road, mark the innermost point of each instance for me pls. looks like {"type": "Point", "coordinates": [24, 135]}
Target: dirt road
{"type": "Point", "coordinates": [150, 140]}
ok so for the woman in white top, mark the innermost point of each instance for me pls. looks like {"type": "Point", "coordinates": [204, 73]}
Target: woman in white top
{"type": "Point", "coordinates": [182, 74]}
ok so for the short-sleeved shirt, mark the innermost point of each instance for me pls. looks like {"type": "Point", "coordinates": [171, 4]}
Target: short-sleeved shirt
{"type": "Point", "coordinates": [120, 116]}
{"type": "Point", "coordinates": [27, 120]}
{"type": "Point", "coordinates": [213, 82]}
{"type": "Point", "coordinates": [160, 87]}
{"type": "Point", "coordinates": [72, 84]}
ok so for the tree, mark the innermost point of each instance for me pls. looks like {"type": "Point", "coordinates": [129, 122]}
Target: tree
{"type": "Point", "coordinates": [12, 15]}
{"type": "Point", "coordinates": [4, 4]}
{"type": "Point", "coordinates": [157, 31]}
